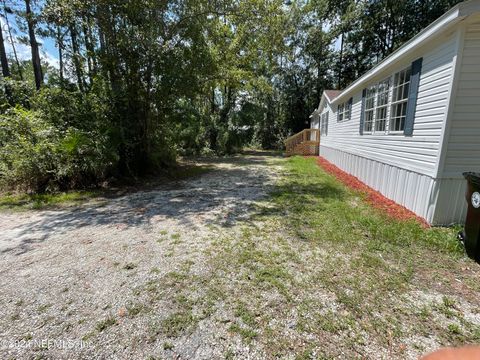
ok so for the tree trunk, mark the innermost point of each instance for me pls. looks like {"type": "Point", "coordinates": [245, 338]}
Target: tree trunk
{"type": "Point", "coordinates": [60, 53]}
{"type": "Point", "coordinates": [108, 59]}
{"type": "Point", "coordinates": [37, 66]}
{"type": "Point", "coordinates": [12, 42]}
{"type": "Point", "coordinates": [76, 57]}
{"type": "Point", "coordinates": [89, 45]}
{"type": "Point", "coordinates": [3, 57]}
{"type": "Point", "coordinates": [5, 68]}
{"type": "Point", "coordinates": [318, 96]}
{"type": "Point", "coordinates": [340, 65]}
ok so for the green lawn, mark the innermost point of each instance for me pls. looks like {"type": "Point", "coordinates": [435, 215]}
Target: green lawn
{"type": "Point", "coordinates": [321, 274]}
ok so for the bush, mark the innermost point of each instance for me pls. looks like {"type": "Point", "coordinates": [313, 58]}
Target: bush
{"type": "Point", "coordinates": [27, 147]}
{"type": "Point", "coordinates": [38, 156]}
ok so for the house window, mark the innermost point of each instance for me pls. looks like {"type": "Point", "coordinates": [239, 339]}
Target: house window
{"type": "Point", "coordinates": [383, 92]}
{"type": "Point", "coordinates": [369, 108]}
{"type": "Point", "coordinates": [340, 112]}
{"type": "Point", "coordinates": [401, 84]}
{"type": "Point", "coordinates": [344, 111]}
{"type": "Point", "coordinates": [324, 124]}
{"type": "Point", "coordinates": [348, 109]}
{"type": "Point", "coordinates": [384, 113]}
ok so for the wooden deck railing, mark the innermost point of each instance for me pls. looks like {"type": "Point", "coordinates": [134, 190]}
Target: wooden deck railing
{"type": "Point", "coordinates": [305, 142]}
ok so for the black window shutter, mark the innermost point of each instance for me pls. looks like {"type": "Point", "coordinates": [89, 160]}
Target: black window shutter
{"type": "Point", "coordinates": [350, 102]}
{"type": "Point", "coordinates": [412, 96]}
{"type": "Point", "coordinates": [362, 112]}
{"type": "Point", "coordinates": [338, 113]}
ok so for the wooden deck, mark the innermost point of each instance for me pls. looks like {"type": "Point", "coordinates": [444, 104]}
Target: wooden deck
{"type": "Point", "coordinates": [306, 142]}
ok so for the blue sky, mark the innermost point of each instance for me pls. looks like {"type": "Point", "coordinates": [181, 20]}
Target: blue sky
{"type": "Point", "coordinates": [49, 51]}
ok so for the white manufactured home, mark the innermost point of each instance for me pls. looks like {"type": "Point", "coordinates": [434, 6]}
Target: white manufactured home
{"type": "Point", "coordinates": [410, 126]}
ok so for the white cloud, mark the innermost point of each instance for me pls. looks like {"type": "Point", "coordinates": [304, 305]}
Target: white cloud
{"type": "Point", "coordinates": [52, 60]}
{"type": "Point", "coordinates": [23, 51]}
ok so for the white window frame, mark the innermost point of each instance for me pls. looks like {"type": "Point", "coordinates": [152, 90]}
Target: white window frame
{"type": "Point", "coordinates": [341, 112]}
{"type": "Point", "coordinates": [382, 93]}
{"type": "Point", "coordinates": [404, 87]}
{"type": "Point", "coordinates": [324, 124]}
{"type": "Point", "coordinates": [372, 94]}
{"type": "Point", "coordinates": [344, 111]}
{"type": "Point", "coordinates": [347, 114]}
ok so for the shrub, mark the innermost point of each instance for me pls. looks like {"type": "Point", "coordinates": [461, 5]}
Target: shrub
{"type": "Point", "coordinates": [36, 155]}
{"type": "Point", "coordinates": [27, 150]}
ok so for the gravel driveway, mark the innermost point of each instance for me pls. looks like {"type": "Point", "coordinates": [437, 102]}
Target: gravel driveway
{"type": "Point", "coordinates": [102, 280]}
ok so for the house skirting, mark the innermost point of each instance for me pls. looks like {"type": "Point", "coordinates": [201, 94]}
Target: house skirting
{"type": "Point", "coordinates": [438, 201]}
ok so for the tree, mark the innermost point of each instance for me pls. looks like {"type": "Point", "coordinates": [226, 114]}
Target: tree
{"type": "Point", "coordinates": [6, 11]}
{"type": "Point", "coordinates": [3, 57]}
{"type": "Point", "coordinates": [37, 67]}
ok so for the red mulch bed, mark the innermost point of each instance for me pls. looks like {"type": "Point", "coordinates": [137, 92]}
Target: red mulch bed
{"type": "Point", "coordinates": [374, 198]}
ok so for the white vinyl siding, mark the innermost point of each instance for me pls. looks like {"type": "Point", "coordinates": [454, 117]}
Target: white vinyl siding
{"type": "Point", "coordinates": [419, 152]}
{"type": "Point", "coordinates": [463, 146]}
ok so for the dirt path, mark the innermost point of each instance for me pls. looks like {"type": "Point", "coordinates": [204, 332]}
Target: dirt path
{"type": "Point", "coordinates": [75, 276]}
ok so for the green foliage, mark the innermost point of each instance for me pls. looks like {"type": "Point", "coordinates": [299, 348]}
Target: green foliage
{"type": "Point", "coordinates": [26, 149]}
{"type": "Point", "coordinates": [49, 148]}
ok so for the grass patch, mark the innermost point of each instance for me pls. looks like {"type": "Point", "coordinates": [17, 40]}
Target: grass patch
{"type": "Point", "coordinates": [106, 323]}
{"type": "Point", "coordinates": [42, 201]}
{"type": "Point", "coordinates": [43, 308]}
{"type": "Point", "coordinates": [134, 309]}
{"type": "Point", "coordinates": [247, 334]}
{"type": "Point", "coordinates": [178, 323]}
{"type": "Point", "coordinates": [247, 317]}
{"type": "Point", "coordinates": [168, 346]}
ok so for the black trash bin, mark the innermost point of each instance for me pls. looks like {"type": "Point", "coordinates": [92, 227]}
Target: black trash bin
{"type": "Point", "coordinates": [472, 223]}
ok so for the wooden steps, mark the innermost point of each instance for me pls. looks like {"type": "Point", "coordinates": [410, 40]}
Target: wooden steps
{"type": "Point", "coordinates": [306, 142]}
